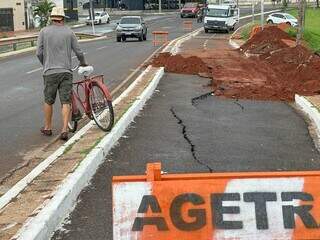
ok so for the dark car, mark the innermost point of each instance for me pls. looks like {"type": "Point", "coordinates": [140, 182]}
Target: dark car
{"type": "Point", "coordinates": [131, 27]}
{"type": "Point", "coordinates": [190, 10]}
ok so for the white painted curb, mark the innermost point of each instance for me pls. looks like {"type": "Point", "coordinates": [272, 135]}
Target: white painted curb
{"type": "Point", "coordinates": [44, 224]}
{"type": "Point", "coordinates": [233, 44]}
{"type": "Point", "coordinates": [311, 111]}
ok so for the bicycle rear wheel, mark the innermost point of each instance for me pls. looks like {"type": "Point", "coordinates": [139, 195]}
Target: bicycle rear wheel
{"type": "Point", "coordinates": [73, 125]}
{"type": "Point", "coordinates": [101, 108]}
{"type": "Point", "coordinates": [73, 121]}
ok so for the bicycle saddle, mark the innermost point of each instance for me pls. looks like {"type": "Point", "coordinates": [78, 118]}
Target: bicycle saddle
{"type": "Point", "coordinates": [86, 71]}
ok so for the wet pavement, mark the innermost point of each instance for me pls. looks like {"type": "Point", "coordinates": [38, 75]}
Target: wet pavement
{"type": "Point", "coordinates": [189, 130]}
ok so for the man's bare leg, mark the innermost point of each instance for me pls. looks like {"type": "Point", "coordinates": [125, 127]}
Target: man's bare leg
{"type": "Point", "coordinates": [65, 117]}
{"type": "Point", "coordinates": [47, 116]}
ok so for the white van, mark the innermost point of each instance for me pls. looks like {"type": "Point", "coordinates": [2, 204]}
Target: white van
{"type": "Point", "coordinates": [221, 17]}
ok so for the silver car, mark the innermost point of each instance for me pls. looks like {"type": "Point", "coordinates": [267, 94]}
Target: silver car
{"type": "Point", "coordinates": [131, 27]}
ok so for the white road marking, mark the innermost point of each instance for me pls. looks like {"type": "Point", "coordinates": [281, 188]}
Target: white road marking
{"type": "Point", "coordinates": [102, 47]}
{"type": "Point", "coordinates": [205, 44]}
{"type": "Point", "coordinates": [35, 70]}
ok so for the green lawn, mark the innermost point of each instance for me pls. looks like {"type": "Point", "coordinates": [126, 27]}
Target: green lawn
{"type": "Point", "coordinates": [312, 27]}
{"type": "Point", "coordinates": [246, 30]}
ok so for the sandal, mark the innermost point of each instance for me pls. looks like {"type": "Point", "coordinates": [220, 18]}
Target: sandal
{"type": "Point", "coordinates": [46, 132]}
{"type": "Point", "coordinates": [64, 136]}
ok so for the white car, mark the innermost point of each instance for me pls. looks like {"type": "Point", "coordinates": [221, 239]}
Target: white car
{"type": "Point", "coordinates": [231, 3]}
{"type": "Point", "coordinates": [277, 18]}
{"type": "Point", "coordinates": [99, 18]}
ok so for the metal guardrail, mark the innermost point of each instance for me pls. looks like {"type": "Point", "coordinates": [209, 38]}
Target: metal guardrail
{"type": "Point", "coordinates": [16, 43]}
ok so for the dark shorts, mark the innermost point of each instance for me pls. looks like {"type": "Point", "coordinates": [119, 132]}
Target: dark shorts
{"type": "Point", "coordinates": [61, 82]}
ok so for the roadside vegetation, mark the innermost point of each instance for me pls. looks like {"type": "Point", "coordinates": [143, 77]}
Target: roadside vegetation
{"type": "Point", "coordinates": [42, 11]}
{"type": "Point", "coordinates": [312, 28]}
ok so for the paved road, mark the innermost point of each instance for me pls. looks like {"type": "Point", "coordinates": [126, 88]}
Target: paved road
{"type": "Point", "coordinates": [21, 87]}
{"type": "Point", "coordinates": [108, 28]}
{"type": "Point", "coordinates": [226, 135]}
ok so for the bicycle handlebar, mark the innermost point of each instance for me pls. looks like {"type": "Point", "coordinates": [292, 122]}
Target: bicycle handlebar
{"type": "Point", "coordinates": [86, 71]}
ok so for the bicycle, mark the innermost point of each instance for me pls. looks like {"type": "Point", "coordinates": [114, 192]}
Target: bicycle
{"type": "Point", "coordinates": [94, 98]}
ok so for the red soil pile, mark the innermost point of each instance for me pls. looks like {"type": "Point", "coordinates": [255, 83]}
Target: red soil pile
{"type": "Point", "coordinates": [180, 64]}
{"type": "Point", "coordinates": [266, 41]}
{"type": "Point", "coordinates": [278, 73]}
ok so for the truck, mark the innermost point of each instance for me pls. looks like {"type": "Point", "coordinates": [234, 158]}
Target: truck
{"type": "Point", "coordinates": [221, 17]}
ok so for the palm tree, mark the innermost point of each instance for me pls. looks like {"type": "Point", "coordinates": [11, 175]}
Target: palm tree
{"type": "Point", "coordinates": [43, 10]}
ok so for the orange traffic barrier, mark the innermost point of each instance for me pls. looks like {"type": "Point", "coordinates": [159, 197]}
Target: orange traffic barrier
{"type": "Point", "coordinates": [187, 25]}
{"type": "Point", "coordinates": [160, 37]}
{"type": "Point", "coordinates": [266, 205]}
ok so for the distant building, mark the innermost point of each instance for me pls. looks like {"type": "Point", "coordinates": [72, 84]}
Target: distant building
{"type": "Point", "coordinates": [70, 8]}
{"type": "Point", "coordinates": [12, 15]}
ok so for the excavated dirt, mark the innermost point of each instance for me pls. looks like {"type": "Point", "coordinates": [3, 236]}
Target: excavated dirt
{"type": "Point", "coordinates": [266, 41]}
{"type": "Point", "coordinates": [180, 64]}
{"type": "Point", "coordinates": [275, 72]}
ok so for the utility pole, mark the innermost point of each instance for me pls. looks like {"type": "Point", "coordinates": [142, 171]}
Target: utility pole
{"type": "Point", "coordinates": [179, 4]}
{"type": "Point", "coordinates": [262, 14]}
{"type": "Point", "coordinates": [91, 13]}
{"type": "Point", "coordinates": [252, 11]}
{"type": "Point", "coordinates": [160, 7]}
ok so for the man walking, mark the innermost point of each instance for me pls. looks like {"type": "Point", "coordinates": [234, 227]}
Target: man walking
{"type": "Point", "coordinates": [55, 45]}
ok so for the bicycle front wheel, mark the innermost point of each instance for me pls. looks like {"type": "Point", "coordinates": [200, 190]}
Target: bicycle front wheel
{"type": "Point", "coordinates": [101, 108]}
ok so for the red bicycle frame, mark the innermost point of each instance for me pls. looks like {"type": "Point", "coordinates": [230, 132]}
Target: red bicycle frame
{"type": "Point", "coordinates": [86, 84]}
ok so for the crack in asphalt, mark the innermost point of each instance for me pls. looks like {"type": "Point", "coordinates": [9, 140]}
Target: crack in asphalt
{"type": "Point", "coordinates": [203, 96]}
{"type": "Point", "coordinates": [239, 104]}
{"type": "Point", "coordinates": [186, 137]}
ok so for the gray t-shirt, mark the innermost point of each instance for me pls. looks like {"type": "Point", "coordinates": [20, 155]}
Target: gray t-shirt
{"type": "Point", "coordinates": [54, 48]}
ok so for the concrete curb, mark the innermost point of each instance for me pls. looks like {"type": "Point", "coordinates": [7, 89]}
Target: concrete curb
{"type": "Point", "coordinates": [233, 44]}
{"type": "Point", "coordinates": [18, 52]}
{"type": "Point", "coordinates": [78, 26]}
{"type": "Point", "coordinates": [44, 224]}
{"type": "Point", "coordinates": [311, 111]}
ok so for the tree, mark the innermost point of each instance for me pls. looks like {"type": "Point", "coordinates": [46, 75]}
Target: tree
{"type": "Point", "coordinates": [43, 10]}
{"type": "Point", "coordinates": [317, 3]}
{"type": "Point", "coordinates": [284, 4]}
{"type": "Point", "coordinates": [301, 19]}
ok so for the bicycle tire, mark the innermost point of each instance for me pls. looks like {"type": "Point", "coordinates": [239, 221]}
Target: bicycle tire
{"type": "Point", "coordinates": [73, 125]}
{"type": "Point", "coordinates": [106, 105]}
{"type": "Point", "coordinates": [73, 122]}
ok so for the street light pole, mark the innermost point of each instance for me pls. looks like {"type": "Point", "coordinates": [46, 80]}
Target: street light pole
{"type": "Point", "coordinates": [160, 7]}
{"type": "Point", "coordinates": [92, 16]}
{"type": "Point", "coordinates": [252, 11]}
